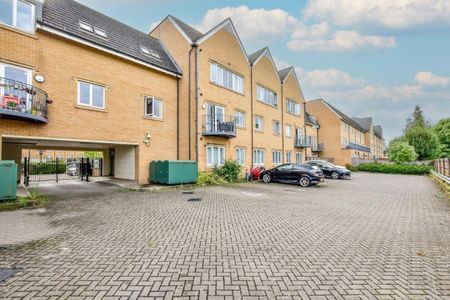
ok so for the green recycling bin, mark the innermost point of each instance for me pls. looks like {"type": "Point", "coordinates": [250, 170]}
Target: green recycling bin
{"type": "Point", "coordinates": [8, 180]}
{"type": "Point", "coordinates": [173, 171]}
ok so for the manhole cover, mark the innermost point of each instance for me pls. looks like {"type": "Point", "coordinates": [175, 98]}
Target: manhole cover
{"type": "Point", "coordinates": [6, 273]}
{"type": "Point", "coordinates": [195, 199]}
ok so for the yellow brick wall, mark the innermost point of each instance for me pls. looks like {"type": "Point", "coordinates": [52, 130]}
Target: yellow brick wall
{"type": "Point", "coordinates": [62, 62]}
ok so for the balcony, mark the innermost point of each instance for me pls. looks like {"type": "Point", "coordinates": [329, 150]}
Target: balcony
{"type": "Point", "coordinates": [21, 101]}
{"type": "Point", "coordinates": [316, 147]}
{"type": "Point", "coordinates": [302, 141]}
{"type": "Point", "coordinates": [219, 126]}
{"type": "Point", "coordinates": [357, 147]}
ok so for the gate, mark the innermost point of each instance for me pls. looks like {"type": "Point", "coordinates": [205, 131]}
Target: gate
{"type": "Point", "coordinates": [38, 170]}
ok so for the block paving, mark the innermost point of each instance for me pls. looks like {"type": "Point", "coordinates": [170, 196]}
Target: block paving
{"type": "Point", "coordinates": [371, 237]}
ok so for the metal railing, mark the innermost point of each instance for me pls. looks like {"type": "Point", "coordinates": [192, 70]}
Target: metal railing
{"type": "Point", "coordinates": [356, 147]}
{"type": "Point", "coordinates": [219, 125]}
{"type": "Point", "coordinates": [315, 147]}
{"type": "Point", "coordinates": [302, 141]}
{"type": "Point", "coordinates": [21, 100]}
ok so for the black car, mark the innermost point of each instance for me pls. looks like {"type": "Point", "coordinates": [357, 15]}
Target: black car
{"type": "Point", "coordinates": [330, 170]}
{"type": "Point", "coordinates": [303, 174]}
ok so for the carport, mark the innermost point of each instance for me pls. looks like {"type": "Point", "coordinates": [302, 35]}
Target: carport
{"type": "Point", "coordinates": [119, 158]}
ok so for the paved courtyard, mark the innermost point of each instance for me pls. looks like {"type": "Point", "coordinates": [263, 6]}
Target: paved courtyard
{"type": "Point", "coordinates": [371, 237]}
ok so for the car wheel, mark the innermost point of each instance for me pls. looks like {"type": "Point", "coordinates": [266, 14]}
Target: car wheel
{"type": "Point", "coordinates": [267, 178]}
{"type": "Point", "coordinates": [304, 181]}
{"type": "Point", "coordinates": [335, 175]}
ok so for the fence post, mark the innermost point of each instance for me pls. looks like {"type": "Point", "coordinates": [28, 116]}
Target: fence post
{"type": "Point", "coordinates": [56, 161]}
{"type": "Point", "coordinates": [87, 169]}
{"type": "Point", "coordinates": [81, 168]}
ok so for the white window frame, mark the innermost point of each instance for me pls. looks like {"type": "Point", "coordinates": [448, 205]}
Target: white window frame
{"type": "Point", "coordinates": [153, 100]}
{"type": "Point", "coordinates": [100, 32]}
{"type": "Point", "coordinates": [276, 128]}
{"type": "Point", "coordinates": [261, 127]}
{"type": "Point", "coordinates": [288, 130]}
{"type": "Point", "coordinates": [241, 117]}
{"type": "Point", "coordinates": [91, 85]}
{"type": "Point", "coordinates": [14, 16]}
{"type": "Point", "coordinates": [240, 155]}
{"type": "Point", "coordinates": [266, 96]}
{"type": "Point", "coordinates": [28, 71]}
{"type": "Point", "coordinates": [298, 157]}
{"type": "Point", "coordinates": [233, 81]}
{"type": "Point", "coordinates": [288, 157]}
{"type": "Point", "coordinates": [293, 107]}
{"type": "Point", "coordinates": [85, 26]}
{"type": "Point", "coordinates": [276, 157]}
{"type": "Point", "coordinates": [220, 160]}
{"type": "Point", "coordinates": [259, 157]}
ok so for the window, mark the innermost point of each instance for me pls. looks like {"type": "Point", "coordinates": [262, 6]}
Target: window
{"type": "Point", "coordinates": [292, 107]}
{"type": "Point", "coordinates": [288, 157]}
{"type": "Point", "coordinates": [298, 157]}
{"type": "Point", "coordinates": [240, 156]}
{"type": "Point", "coordinates": [149, 52]}
{"type": "Point", "coordinates": [240, 119]}
{"type": "Point", "coordinates": [153, 107]}
{"type": "Point", "coordinates": [215, 156]}
{"type": "Point", "coordinates": [344, 142]}
{"type": "Point", "coordinates": [18, 14]}
{"type": "Point", "coordinates": [259, 123]}
{"type": "Point", "coordinates": [266, 96]}
{"type": "Point", "coordinates": [258, 157]}
{"type": "Point", "coordinates": [91, 95]}
{"type": "Point", "coordinates": [276, 157]}
{"type": "Point", "coordinates": [276, 127]}
{"type": "Point", "coordinates": [59, 155]}
{"type": "Point", "coordinates": [100, 32]}
{"type": "Point", "coordinates": [226, 78]}
{"type": "Point", "coordinates": [288, 130]}
{"type": "Point", "coordinates": [85, 27]}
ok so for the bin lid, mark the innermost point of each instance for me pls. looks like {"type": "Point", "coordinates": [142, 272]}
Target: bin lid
{"type": "Point", "coordinates": [7, 162]}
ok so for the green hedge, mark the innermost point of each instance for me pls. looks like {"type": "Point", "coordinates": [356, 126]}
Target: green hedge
{"type": "Point", "coordinates": [47, 168]}
{"type": "Point", "coordinates": [393, 169]}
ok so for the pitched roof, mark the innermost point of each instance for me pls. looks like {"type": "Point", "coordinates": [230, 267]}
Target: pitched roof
{"type": "Point", "coordinates": [284, 73]}
{"type": "Point", "coordinates": [378, 130]}
{"type": "Point", "coordinates": [192, 33]}
{"type": "Point", "coordinates": [65, 15]}
{"type": "Point", "coordinates": [343, 116]}
{"type": "Point", "coordinates": [364, 123]}
{"type": "Point", "coordinates": [254, 56]}
{"type": "Point", "coordinates": [311, 119]}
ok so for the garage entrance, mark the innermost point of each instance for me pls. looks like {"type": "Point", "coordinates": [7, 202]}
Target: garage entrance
{"type": "Point", "coordinates": [51, 159]}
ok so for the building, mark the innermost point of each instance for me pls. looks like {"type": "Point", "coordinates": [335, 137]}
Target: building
{"type": "Point", "coordinates": [51, 155]}
{"type": "Point", "coordinates": [312, 135]}
{"type": "Point", "coordinates": [235, 106]}
{"type": "Point", "coordinates": [74, 79]}
{"type": "Point", "coordinates": [344, 138]}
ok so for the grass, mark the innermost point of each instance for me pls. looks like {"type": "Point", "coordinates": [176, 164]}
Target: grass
{"type": "Point", "coordinates": [35, 199]}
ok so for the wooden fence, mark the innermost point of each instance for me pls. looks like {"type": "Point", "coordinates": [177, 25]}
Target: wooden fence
{"type": "Point", "coordinates": [442, 166]}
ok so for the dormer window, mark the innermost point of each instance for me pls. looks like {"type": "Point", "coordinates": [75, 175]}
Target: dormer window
{"type": "Point", "coordinates": [100, 32]}
{"type": "Point", "coordinates": [149, 52]}
{"type": "Point", "coordinates": [19, 14]}
{"type": "Point", "coordinates": [86, 27]}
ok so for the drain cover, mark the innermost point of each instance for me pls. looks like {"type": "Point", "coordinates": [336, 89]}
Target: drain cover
{"type": "Point", "coordinates": [6, 273]}
{"type": "Point", "coordinates": [195, 199]}
{"type": "Point", "coordinates": [188, 193]}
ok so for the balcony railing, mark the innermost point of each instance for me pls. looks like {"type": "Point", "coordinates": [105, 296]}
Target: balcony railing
{"type": "Point", "coordinates": [21, 101]}
{"type": "Point", "coordinates": [302, 141]}
{"type": "Point", "coordinates": [219, 125]}
{"type": "Point", "coordinates": [357, 147]}
{"type": "Point", "coordinates": [317, 147]}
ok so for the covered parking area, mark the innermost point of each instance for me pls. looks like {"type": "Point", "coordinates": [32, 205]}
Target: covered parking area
{"type": "Point", "coordinates": [119, 158]}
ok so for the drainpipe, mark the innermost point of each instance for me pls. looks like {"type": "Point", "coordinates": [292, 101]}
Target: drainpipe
{"type": "Point", "coordinates": [189, 102]}
{"type": "Point", "coordinates": [251, 116]}
{"type": "Point", "coordinates": [196, 103]}
{"type": "Point", "coordinates": [282, 124]}
{"type": "Point", "coordinates": [178, 118]}
{"type": "Point", "coordinates": [304, 126]}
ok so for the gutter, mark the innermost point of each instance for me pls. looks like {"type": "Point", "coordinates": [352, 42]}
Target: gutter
{"type": "Point", "coordinates": [178, 118]}
{"type": "Point", "coordinates": [189, 101]}
{"type": "Point", "coordinates": [196, 103]}
{"type": "Point", "coordinates": [282, 129]}
{"type": "Point", "coordinates": [251, 116]}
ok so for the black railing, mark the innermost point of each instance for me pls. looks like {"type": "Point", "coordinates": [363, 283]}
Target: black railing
{"type": "Point", "coordinates": [302, 141]}
{"type": "Point", "coordinates": [219, 125]}
{"type": "Point", "coordinates": [19, 100]}
{"type": "Point", "coordinates": [317, 147]}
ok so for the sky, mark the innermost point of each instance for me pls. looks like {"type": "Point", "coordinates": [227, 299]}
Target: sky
{"type": "Point", "coordinates": [375, 58]}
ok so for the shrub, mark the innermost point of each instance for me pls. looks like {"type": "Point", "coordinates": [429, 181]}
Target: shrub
{"type": "Point", "coordinates": [230, 171]}
{"type": "Point", "coordinates": [209, 179]}
{"type": "Point", "coordinates": [394, 169]}
{"type": "Point", "coordinates": [47, 168]}
{"type": "Point", "coordinates": [401, 152]}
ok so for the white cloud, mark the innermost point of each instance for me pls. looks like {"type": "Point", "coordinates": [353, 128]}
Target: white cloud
{"type": "Point", "coordinates": [251, 23]}
{"type": "Point", "coordinates": [393, 14]}
{"type": "Point", "coordinates": [342, 40]}
{"type": "Point", "coordinates": [329, 78]}
{"type": "Point", "coordinates": [430, 79]}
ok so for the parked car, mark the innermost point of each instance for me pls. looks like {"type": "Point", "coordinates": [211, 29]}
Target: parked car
{"type": "Point", "coordinates": [330, 170]}
{"type": "Point", "coordinates": [303, 174]}
{"type": "Point", "coordinates": [72, 169]}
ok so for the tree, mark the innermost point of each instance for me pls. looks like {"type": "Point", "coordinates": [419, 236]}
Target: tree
{"type": "Point", "coordinates": [401, 152]}
{"type": "Point", "coordinates": [425, 142]}
{"type": "Point", "coordinates": [442, 130]}
{"type": "Point", "coordinates": [417, 120]}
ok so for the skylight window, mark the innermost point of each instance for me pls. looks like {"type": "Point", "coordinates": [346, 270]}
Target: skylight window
{"type": "Point", "coordinates": [100, 32]}
{"type": "Point", "coordinates": [149, 52]}
{"type": "Point", "coordinates": [86, 27]}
